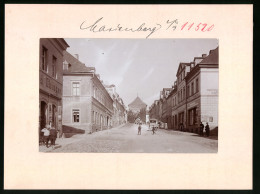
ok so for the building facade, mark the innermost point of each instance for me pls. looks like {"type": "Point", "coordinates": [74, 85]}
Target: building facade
{"type": "Point", "coordinates": [202, 92]}
{"type": "Point", "coordinates": [51, 81]}
{"type": "Point", "coordinates": [194, 96]}
{"type": "Point", "coordinates": [86, 103]}
{"type": "Point", "coordinates": [119, 110]}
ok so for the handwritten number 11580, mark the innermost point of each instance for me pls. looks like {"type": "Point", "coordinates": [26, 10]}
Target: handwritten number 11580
{"type": "Point", "coordinates": [200, 26]}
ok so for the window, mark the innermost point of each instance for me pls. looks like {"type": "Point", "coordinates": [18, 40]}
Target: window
{"type": "Point", "coordinates": [183, 92]}
{"type": "Point", "coordinates": [54, 60]}
{"type": "Point", "coordinates": [181, 95]}
{"type": "Point", "coordinates": [197, 85]}
{"type": "Point", "coordinates": [44, 59]}
{"type": "Point", "coordinates": [188, 91]}
{"type": "Point", "coordinates": [192, 88]}
{"type": "Point", "coordinates": [94, 92]}
{"type": "Point", "coordinates": [75, 115]}
{"type": "Point", "coordinates": [75, 88]}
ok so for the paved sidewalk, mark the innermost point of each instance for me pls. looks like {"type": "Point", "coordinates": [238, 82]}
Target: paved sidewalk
{"type": "Point", "coordinates": [60, 142]}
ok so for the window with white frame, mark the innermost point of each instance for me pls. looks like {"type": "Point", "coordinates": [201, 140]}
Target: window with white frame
{"type": "Point", "coordinates": [75, 115]}
{"type": "Point", "coordinates": [75, 88]}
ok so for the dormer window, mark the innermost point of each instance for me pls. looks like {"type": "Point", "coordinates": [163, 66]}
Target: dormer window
{"type": "Point", "coordinates": [65, 65]}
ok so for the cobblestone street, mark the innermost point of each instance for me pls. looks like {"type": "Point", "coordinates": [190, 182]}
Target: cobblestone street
{"type": "Point", "coordinates": [125, 140]}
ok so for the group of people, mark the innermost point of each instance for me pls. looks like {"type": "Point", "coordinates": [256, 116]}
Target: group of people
{"type": "Point", "coordinates": [48, 134]}
{"type": "Point", "coordinates": [140, 128]}
{"type": "Point", "coordinates": [202, 129]}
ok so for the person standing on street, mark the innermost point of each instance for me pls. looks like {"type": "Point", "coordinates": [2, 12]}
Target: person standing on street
{"type": "Point", "coordinates": [207, 129]}
{"type": "Point", "coordinates": [139, 129]}
{"type": "Point", "coordinates": [201, 128]}
{"type": "Point", "coordinates": [46, 133]}
{"type": "Point", "coordinates": [53, 136]}
{"type": "Point", "coordinates": [153, 129]}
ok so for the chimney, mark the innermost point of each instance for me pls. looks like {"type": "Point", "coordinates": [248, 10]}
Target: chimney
{"type": "Point", "coordinates": [76, 56]}
{"type": "Point", "coordinates": [204, 55]}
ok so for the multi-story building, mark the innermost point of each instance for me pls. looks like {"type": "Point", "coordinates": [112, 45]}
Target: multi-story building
{"type": "Point", "coordinates": [174, 112]}
{"type": "Point", "coordinates": [51, 80]}
{"type": "Point", "coordinates": [166, 105]}
{"type": "Point", "coordinates": [183, 69]}
{"type": "Point", "coordinates": [119, 111]}
{"type": "Point", "coordinates": [86, 103]}
{"type": "Point", "coordinates": [194, 96]}
{"type": "Point", "coordinates": [202, 92]}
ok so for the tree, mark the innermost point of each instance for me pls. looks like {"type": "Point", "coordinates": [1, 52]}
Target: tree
{"type": "Point", "coordinates": [130, 116]}
{"type": "Point", "coordinates": [142, 114]}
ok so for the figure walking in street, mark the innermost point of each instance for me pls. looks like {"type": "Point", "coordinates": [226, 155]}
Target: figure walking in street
{"type": "Point", "coordinates": [46, 133]}
{"type": "Point", "coordinates": [139, 129]}
{"type": "Point", "coordinates": [153, 130]}
{"type": "Point", "coordinates": [53, 136]}
{"type": "Point", "coordinates": [201, 128]}
{"type": "Point", "coordinates": [207, 129]}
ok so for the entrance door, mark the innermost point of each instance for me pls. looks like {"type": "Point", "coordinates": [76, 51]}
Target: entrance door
{"type": "Point", "coordinates": [54, 116]}
{"type": "Point", "coordinates": [43, 115]}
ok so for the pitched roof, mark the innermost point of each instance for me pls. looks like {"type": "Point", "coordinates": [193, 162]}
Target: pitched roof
{"type": "Point", "coordinates": [181, 66]}
{"type": "Point", "coordinates": [75, 65]}
{"type": "Point", "coordinates": [137, 103]}
{"type": "Point", "coordinates": [212, 58]}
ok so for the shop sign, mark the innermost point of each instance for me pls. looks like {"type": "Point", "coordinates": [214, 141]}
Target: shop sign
{"type": "Point", "coordinates": [206, 118]}
{"type": "Point", "coordinates": [212, 91]}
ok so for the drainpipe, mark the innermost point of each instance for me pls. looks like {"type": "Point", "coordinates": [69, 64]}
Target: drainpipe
{"type": "Point", "coordinates": [186, 104]}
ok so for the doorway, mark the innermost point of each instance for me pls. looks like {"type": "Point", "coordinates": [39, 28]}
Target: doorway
{"type": "Point", "coordinates": [43, 115]}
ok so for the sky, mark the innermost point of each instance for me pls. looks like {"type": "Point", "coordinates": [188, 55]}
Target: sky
{"type": "Point", "coordinates": [140, 67]}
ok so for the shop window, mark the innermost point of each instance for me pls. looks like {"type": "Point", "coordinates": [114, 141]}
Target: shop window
{"type": "Point", "coordinates": [75, 88]}
{"type": "Point", "coordinates": [44, 59]}
{"type": "Point", "coordinates": [75, 115]}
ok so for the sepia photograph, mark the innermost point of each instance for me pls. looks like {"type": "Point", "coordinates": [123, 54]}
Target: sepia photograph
{"type": "Point", "coordinates": [128, 95]}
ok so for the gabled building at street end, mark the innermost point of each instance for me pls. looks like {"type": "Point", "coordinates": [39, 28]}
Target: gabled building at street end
{"type": "Point", "coordinates": [136, 105]}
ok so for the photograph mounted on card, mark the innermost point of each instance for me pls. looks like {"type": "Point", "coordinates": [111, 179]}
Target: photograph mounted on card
{"type": "Point", "coordinates": [128, 96]}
